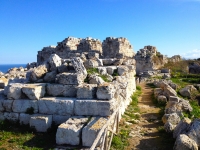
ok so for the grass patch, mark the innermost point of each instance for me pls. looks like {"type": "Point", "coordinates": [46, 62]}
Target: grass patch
{"type": "Point", "coordinates": [92, 70]}
{"type": "Point", "coordinates": [17, 137]}
{"type": "Point", "coordinates": [120, 141]}
{"type": "Point", "coordinates": [105, 78]}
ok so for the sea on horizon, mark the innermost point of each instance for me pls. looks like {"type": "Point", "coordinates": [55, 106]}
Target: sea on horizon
{"type": "Point", "coordinates": [5, 67]}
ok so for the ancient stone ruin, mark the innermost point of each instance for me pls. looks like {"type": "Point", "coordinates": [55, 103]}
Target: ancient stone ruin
{"type": "Point", "coordinates": [78, 85]}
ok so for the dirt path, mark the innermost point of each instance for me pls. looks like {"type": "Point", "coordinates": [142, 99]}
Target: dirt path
{"type": "Point", "coordinates": [145, 134]}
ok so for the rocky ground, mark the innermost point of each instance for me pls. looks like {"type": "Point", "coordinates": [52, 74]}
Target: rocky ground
{"type": "Point", "coordinates": [148, 132]}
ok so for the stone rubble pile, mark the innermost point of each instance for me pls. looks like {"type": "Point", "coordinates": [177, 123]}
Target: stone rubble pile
{"type": "Point", "coordinates": [61, 88]}
{"type": "Point", "coordinates": [185, 131]}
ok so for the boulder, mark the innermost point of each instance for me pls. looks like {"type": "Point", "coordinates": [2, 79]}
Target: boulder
{"type": "Point", "coordinates": [50, 76]}
{"type": "Point", "coordinates": [54, 61]}
{"type": "Point", "coordinates": [162, 99]}
{"type": "Point", "coordinates": [70, 131]}
{"type": "Point", "coordinates": [91, 130]}
{"type": "Point", "coordinates": [34, 91]}
{"type": "Point", "coordinates": [169, 127]}
{"type": "Point", "coordinates": [61, 90]}
{"type": "Point", "coordinates": [106, 91]}
{"type": "Point", "coordinates": [79, 67]}
{"type": "Point", "coordinates": [183, 142]}
{"type": "Point", "coordinates": [173, 118]}
{"type": "Point", "coordinates": [182, 127]}
{"type": "Point", "coordinates": [56, 105]}
{"type": "Point", "coordinates": [63, 68]}
{"type": "Point", "coordinates": [186, 91]}
{"type": "Point", "coordinates": [41, 122]}
{"type": "Point", "coordinates": [157, 92]}
{"type": "Point", "coordinates": [39, 72]}
{"type": "Point", "coordinates": [194, 131]}
{"type": "Point", "coordinates": [87, 91]}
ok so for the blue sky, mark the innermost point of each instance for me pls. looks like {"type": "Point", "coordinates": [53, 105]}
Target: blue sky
{"type": "Point", "coordinates": [26, 26]}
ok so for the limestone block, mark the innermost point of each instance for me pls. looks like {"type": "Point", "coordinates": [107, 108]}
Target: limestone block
{"type": "Point", "coordinates": [172, 118]}
{"type": "Point", "coordinates": [58, 119]}
{"type": "Point", "coordinates": [24, 118]}
{"type": "Point", "coordinates": [91, 130]}
{"type": "Point", "coordinates": [186, 91]}
{"type": "Point", "coordinates": [129, 62]}
{"type": "Point", "coordinates": [87, 91]}
{"type": "Point", "coordinates": [1, 106]}
{"type": "Point", "coordinates": [50, 76]}
{"type": "Point", "coordinates": [111, 69]}
{"type": "Point", "coordinates": [157, 92]}
{"type": "Point", "coordinates": [105, 91]}
{"type": "Point", "coordinates": [63, 68]}
{"type": "Point", "coordinates": [94, 107]}
{"type": "Point", "coordinates": [91, 63]}
{"type": "Point", "coordinates": [39, 72]}
{"type": "Point", "coordinates": [162, 99]}
{"type": "Point", "coordinates": [182, 127]}
{"type": "Point", "coordinates": [41, 122]}
{"type": "Point", "coordinates": [3, 82]}
{"type": "Point", "coordinates": [2, 116]}
{"type": "Point", "coordinates": [56, 105]}
{"type": "Point", "coordinates": [169, 127]}
{"type": "Point", "coordinates": [69, 132]}
{"type": "Point", "coordinates": [194, 131]}
{"type": "Point", "coordinates": [70, 78]}
{"type": "Point", "coordinates": [95, 79]}
{"type": "Point", "coordinates": [79, 67]}
{"type": "Point", "coordinates": [102, 70]}
{"type": "Point", "coordinates": [183, 142]}
{"type": "Point", "coordinates": [7, 104]}
{"type": "Point", "coordinates": [61, 90]}
{"type": "Point", "coordinates": [14, 91]}
{"type": "Point", "coordinates": [34, 91]}
{"type": "Point", "coordinates": [22, 106]}
{"type": "Point", "coordinates": [108, 62]}
{"type": "Point", "coordinates": [2, 96]}
{"type": "Point", "coordinates": [122, 69]}
{"type": "Point", "coordinates": [54, 61]}
{"type": "Point", "coordinates": [11, 116]}
{"type": "Point", "coordinates": [114, 47]}
{"type": "Point", "coordinates": [93, 55]}
{"type": "Point", "coordinates": [174, 99]}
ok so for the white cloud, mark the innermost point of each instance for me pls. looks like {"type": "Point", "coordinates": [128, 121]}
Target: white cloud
{"type": "Point", "coordinates": [195, 53]}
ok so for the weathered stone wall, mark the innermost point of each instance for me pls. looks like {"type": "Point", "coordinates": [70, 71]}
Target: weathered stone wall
{"type": "Point", "coordinates": [149, 59]}
{"type": "Point", "coordinates": [63, 91]}
{"type": "Point", "coordinates": [117, 48]}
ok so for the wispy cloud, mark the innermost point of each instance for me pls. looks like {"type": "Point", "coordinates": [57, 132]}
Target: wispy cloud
{"type": "Point", "coordinates": [192, 54]}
